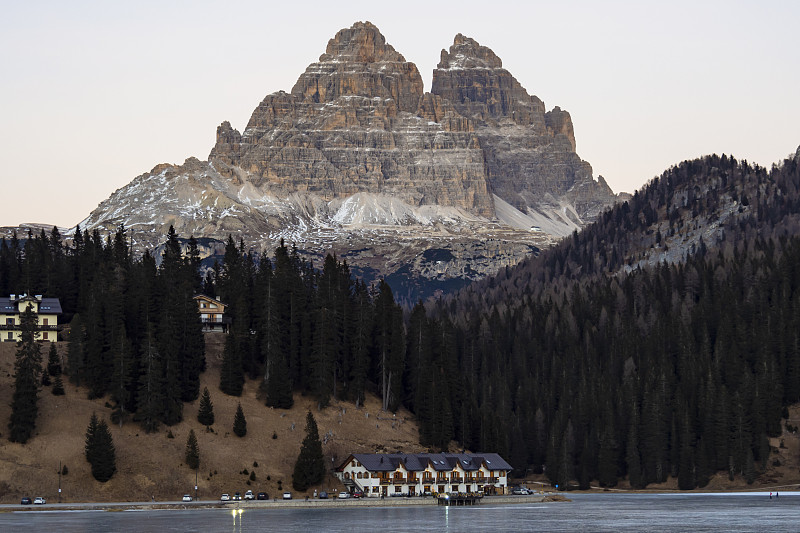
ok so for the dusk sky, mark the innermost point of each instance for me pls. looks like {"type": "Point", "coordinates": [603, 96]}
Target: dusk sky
{"type": "Point", "coordinates": [96, 93]}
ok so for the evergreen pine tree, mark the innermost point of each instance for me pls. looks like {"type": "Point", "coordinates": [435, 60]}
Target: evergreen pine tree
{"type": "Point", "coordinates": [99, 450]}
{"type": "Point", "coordinates": [192, 451]}
{"type": "Point", "coordinates": [27, 367]}
{"type": "Point", "coordinates": [205, 413]}
{"type": "Point", "coordinates": [58, 386]}
{"type": "Point", "coordinates": [239, 422]}
{"type": "Point", "coordinates": [76, 355]}
{"type": "Point", "coordinates": [89, 448]}
{"type": "Point", "coordinates": [53, 362]}
{"type": "Point", "coordinates": [150, 395]}
{"type": "Point", "coordinates": [310, 466]}
{"type": "Point", "coordinates": [231, 376]}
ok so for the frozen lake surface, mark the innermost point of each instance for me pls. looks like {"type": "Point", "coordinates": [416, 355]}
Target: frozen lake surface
{"type": "Point", "coordinates": [608, 512]}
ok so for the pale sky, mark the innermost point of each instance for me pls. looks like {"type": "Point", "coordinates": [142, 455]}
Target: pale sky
{"type": "Point", "coordinates": [95, 93]}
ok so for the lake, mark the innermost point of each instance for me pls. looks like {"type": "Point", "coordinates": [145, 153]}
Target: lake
{"type": "Point", "coordinates": [741, 512]}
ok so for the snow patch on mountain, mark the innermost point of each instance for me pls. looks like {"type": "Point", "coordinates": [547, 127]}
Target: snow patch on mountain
{"type": "Point", "coordinates": [558, 221]}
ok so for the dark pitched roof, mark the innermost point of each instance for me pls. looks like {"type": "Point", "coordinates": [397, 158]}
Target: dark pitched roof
{"type": "Point", "coordinates": [48, 306]}
{"type": "Point", "coordinates": [51, 305]}
{"type": "Point", "coordinates": [416, 462]}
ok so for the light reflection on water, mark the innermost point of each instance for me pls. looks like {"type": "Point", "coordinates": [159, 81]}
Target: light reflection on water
{"type": "Point", "coordinates": [587, 512]}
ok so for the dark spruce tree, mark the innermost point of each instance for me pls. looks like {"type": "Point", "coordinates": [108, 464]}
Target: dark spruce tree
{"type": "Point", "coordinates": [99, 450]}
{"type": "Point", "coordinates": [205, 413]}
{"type": "Point", "coordinates": [150, 394]}
{"type": "Point", "coordinates": [76, 356]}
{"type": "Point", "coordinates": [53, 361]}
{"type": "Point", "coordinates": [231, 375]}
{"type": "Point", "coordinates": [58, 386]}
{"type": "Point", "coordinates": [310, 466]}
{"type": "Point", "coordinates": [192, 451]}
{"type": "Point", "coordinates": [27, 367]}
{"type": "Point", "coordinates": [239, 422]}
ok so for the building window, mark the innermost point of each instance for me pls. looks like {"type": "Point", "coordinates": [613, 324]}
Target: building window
{"type": "Point", "coordinates": [44, 336]}
{"type": "Point", "coordinates": [375, 489]}
{"type": "Point", "coordinates": [397, 489]}
{"type": "Point", "coordinates": [44, 321]}
{"type": "Point", "coordinates": [10, 321]}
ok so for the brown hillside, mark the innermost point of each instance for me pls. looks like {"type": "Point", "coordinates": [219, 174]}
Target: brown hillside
{"type": "Point", "coordinates": [153, 465]}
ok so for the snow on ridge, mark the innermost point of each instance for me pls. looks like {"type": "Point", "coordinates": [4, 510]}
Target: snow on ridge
{"type": "Point", "coordinates": [367, 209]}
{"type": "Point", "coordinates": [556, 222]}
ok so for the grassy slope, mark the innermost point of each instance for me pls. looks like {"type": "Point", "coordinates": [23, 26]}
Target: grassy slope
{"type": "Point", "coordinates": [152, 465]}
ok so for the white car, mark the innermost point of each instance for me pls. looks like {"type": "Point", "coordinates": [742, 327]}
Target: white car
{"type": "Point", "coordinates": [187, 498]}
{"type": "Point", "coordinates": [225, 498]}
{"type": "Point", "coordinates": [39, 501]}
{"type": "Point", "coordinates": [249, 495]}
{"type": "Point", "coordinates": [287, 495]}
{"type": "Point", "coordinates": [344, 495]}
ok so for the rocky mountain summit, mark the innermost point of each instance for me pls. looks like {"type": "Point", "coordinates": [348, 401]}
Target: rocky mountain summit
{"type": "Point", "coordinates": [358, 159]}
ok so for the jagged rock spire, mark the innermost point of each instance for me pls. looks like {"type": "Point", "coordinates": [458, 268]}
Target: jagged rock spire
{"type": "Point", "coordinates": [359, 62]}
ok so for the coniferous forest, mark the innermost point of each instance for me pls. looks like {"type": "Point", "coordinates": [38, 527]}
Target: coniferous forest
{"type": "Point", "coordinates": [588, 362]}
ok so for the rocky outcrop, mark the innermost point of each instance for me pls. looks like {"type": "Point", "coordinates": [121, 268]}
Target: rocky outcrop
{"type": "Point", "coordinates": [358, 62]}
{"type": "Point", "coordinates": [357, 156]}
{"type": "Point", "coordinates": [530, 154]}
{"type": "Point", "coordinates": [356, 121]}
{"type": "Point", "coordinates": [472, 77]}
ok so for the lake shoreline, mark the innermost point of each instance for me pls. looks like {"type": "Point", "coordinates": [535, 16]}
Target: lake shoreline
{"type": "Point", "coordinates": [275, 504]}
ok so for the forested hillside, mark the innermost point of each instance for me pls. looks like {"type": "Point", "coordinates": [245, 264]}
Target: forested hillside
{"type": "Point", "coordinates": [661, 341]}
{"type": "Point", "coordinates": [607, 357]}
{"type": "Point", "coordinates": [135, 331]}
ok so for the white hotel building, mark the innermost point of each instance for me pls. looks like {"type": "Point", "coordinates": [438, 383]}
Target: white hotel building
{"type": "Point", "coordinates": [418, 473]}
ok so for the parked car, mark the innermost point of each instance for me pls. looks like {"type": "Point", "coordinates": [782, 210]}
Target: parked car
{"type": "Point", "coordinates": [225, 498]}
{"type": "Point", "coordinates": [344, 495]}
{"type": "Point", "coordinates": [26, 501]}
{"type": "Point", "coordinates": [287, 495]}
{"type": "Point", "coordinates": [520, 491]}
{"type": "Point", "coordinates": [39, 501]}
{"type": "Point", "coordinates": [262, 496]}
{"type": "Point", "coordinates": [323, 495]}
{"type": "Point", "coordinates": [187, 498]}
{"type": "Point", "coordinates": [249, 495]}
{"type": "Point", "coordinates": [237, 497]}
{"type": "Point", "coordinates": [358, 494]}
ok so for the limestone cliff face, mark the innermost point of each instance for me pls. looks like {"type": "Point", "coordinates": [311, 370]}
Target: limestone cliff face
{"type": "Point", "coordinates": [358, 159]}
{"type": "Point", "coordinates": [530, 154]}
{"type": "Point", "coordinates": [356, 121]}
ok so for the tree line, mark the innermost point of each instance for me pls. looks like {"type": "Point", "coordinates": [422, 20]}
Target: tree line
{"type": "Point", "coordinates": [587, 362]}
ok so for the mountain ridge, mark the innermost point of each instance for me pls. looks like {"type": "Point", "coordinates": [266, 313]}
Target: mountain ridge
{"type": "Point", "coordinates": [357, 152]}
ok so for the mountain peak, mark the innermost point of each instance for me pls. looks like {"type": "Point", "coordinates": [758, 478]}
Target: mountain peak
{"type": "Point", "coordinates": [359, 62]}
{"type": "Point", "coordinates": [468, 53]}
{"type": "Point", "coordinates": [362, 43]}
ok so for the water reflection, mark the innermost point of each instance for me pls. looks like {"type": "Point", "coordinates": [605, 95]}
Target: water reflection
{"type": "Point", "coordinates": [674, 513]}
{"type": "Point", "coordinates": [238, 515]}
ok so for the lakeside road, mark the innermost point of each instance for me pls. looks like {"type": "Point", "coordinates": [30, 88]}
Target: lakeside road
{"type": "Point", "coordinates": [268, 504]}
